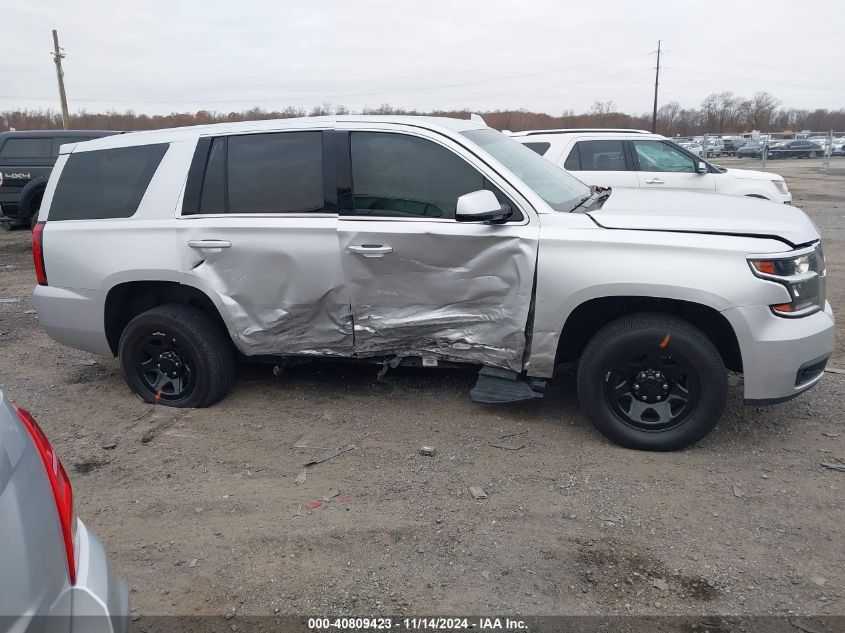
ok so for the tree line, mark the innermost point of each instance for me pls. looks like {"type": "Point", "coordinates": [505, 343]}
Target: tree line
{"type": "Point", "coordinates": [721, 113]}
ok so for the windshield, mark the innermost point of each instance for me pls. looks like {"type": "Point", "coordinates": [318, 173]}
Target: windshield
{"type": "Point", "coordinates": [556, 187]}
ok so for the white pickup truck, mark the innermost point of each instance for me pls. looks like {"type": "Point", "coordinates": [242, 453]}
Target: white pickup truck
{"type": "Point", "coordinates": [415, 240]}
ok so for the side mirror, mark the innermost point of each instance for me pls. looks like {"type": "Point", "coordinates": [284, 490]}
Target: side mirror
{"type": "Point", "coordinates": [481, 206]}
{"type": "Point", "coordinates": [702, 167]}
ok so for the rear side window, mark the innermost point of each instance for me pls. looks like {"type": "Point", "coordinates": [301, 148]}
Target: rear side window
{"type": "Point", "coordinates": [603, 155]}
{"type": "Point", "coordinates": [106, 183]}
{"type": "Point", "coordinates": [26, 148]}
{"type": "Point", "coordinates": [397, 175]}
{"type": "Point", "coordinates": [540, 148]}
{"type": "Point", "coordinates": [264, 173]}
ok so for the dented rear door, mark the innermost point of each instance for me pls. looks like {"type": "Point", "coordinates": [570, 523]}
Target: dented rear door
{"type": "Point", "coordinates": [420, 283]}
{"type": "Point", "coordinates": [259, 233]}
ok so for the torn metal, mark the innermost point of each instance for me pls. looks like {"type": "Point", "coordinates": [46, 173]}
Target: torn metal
{"type": "Point", "coordinates": [449, 291]}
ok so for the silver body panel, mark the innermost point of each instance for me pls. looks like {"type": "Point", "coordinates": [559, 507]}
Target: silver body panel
{"type": "Point", "coordinates": [288, 284]}
{"type": "Point", "coordinates": [34, 580]}
{"type": "Point", "coordinates": [455, 291]}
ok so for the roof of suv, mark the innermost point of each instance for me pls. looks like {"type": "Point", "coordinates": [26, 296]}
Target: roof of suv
{"type": "Point", "coordinates": [585, 130]}
{"type": "Point", "coordinates": [443, 124]}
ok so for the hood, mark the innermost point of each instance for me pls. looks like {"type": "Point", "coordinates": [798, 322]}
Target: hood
{"type": "Point", "coordinates": [750, 174]}
{"type": "Point", "coordinates": [690, 212]}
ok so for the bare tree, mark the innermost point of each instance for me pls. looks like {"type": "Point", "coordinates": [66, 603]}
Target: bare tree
{"type": "Point", "coordinates": [667, 116]}
{"type": "Point", "coordinates": [726, 109]}
{"type": "Point", "coordinates": [723, 110]}
{"type": "Point", "coordinates": [759, 110]}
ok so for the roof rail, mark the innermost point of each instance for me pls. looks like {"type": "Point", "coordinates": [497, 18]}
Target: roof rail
{"type": "Point", "coordinates": [596, 130]}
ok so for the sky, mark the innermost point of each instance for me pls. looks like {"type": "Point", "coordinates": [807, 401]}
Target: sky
{"type": "Point", "coordinates": [157, 56]}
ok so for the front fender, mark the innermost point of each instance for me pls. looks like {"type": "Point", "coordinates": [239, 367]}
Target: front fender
{"type": "Point", "coordinates": [577, 266]}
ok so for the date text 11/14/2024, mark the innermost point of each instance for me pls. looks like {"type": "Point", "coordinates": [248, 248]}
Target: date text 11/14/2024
{"type": "Point", "coordinates": [418, 624]}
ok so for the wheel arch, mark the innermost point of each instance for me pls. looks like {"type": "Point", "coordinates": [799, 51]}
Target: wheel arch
{"type": "Point", "coordinates": [591, 315]}
{"type": "Point", "coordinates": [126, 300]}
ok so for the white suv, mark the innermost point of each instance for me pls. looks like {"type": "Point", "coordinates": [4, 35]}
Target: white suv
{"type": "Point", "coordinates": [635, 158]}
{"type": "Point", "coordinates": [416, 240]}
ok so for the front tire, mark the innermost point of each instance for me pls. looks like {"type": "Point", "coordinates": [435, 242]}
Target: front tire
{"type": "Point", "coordinates": [177, 355]}
{"type": "Point", "coordinates": [652, 381]}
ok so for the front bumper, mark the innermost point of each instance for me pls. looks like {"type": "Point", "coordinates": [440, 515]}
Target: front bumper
{"type": "Point", "coordinates": [781, 358]}
{"type": "Point", "coordinates": [99, 601]}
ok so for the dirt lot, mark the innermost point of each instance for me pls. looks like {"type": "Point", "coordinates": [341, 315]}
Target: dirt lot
{"type": "Point", "coordinates": [203, 513]}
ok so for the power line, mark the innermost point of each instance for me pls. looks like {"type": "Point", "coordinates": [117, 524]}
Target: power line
{"type": "Point", "coordinates": [341, 96]}
{"type": "Point", "coordinates": [532, 90]}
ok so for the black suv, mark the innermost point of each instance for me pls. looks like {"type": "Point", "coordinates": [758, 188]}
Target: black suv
{"type": "Point", "coordinates": [26, 160]}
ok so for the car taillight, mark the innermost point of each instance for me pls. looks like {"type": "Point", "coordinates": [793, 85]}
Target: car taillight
{"type": "Point", "coordinates": [59, 482]}
{"type": "Point", "coordinates": [38, 253]}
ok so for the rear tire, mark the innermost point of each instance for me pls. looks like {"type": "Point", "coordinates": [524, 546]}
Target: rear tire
{"type": "Point", "coordinates": [29, 202]}
{"type": "Point", "coordinates": [652, 381]}
{"type": "Point", "coordinates": [177, 355]}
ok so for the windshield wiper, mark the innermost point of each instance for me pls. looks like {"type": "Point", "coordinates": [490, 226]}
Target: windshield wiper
{"type": "Point", "coordinates": [598, 194]}
{"type": "Point", "coordinates": [582, 201]}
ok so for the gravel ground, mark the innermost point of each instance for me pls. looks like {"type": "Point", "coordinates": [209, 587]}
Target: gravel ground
{"type": "Point", "coordinates": [208, 511]}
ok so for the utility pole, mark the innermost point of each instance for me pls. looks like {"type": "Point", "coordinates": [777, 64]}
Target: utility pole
{"type": "Point", "coordinates": [656, 82]}
{"type": "Point", "coordinates": [60, 75]}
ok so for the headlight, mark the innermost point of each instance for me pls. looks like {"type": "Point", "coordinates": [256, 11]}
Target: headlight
{"type": "Point", "coordinates": [803, 276]}
{"type": "Point", "coordinates": [781, 186]}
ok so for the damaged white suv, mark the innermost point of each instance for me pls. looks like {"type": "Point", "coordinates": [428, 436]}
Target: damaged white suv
{"type": "Point", "coordinates": [415, 240]}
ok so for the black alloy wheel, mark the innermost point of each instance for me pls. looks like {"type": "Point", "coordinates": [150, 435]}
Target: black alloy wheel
{"type": "Point", "coordinates": [164, 366]}
{"type": "Point", "coordinates": [652, 381]}
{"type": "Point", "coordinates": [177, 355]}
{"type": "Point", "coordinates": [652, 390]}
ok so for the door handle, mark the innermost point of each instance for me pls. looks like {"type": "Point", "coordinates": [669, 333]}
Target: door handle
{"type": "Point", "coordinates": [654, 181]}
{"type": "Point", "coordinates": [370, 250]}
{"type": "Point", "coordinates": [203, 245]}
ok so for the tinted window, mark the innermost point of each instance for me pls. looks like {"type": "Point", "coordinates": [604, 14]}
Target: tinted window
{"type": "Point", "coordinates": [26, 148]}
{"type": "Point", "coordinates": [657, 156]}
{"type": "Point", "coordinates": [275, 173]}
{"type": "Point", "coordinates": [107, 183]}
{"type": "Point", "coordinates": [213, 197]}
{"type": "Point", "coordinates": [406, 176]}
{"type": "Point", "coordinates": [540, 148]}
{"type": "Point", "coordinates": [600, 156]}
{"type": "Point", "coordinates": [264, 173]}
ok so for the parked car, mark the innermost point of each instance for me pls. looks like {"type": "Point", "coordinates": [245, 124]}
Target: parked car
{"type": "Point", "coordinates": [715, 147]}
{"type": "Point", "coordinates": [821, 141]}
{"type": "Point", "coordinates": [731, 146]}
{"type": "Point", "coordinates": [427, 241]}
{"type": "Point", "coordinates": [26, 159]}
{"type": "Point", "coordinates": [631, 158]}
{"type": "Point", "coordinates": [53, 565]}
{"type": "Point", "coordinates": [795, 149]}
{"type": "Point", "coordinates": [752, 149]}
{"type": "Point", "coordinates": [692, 148]}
